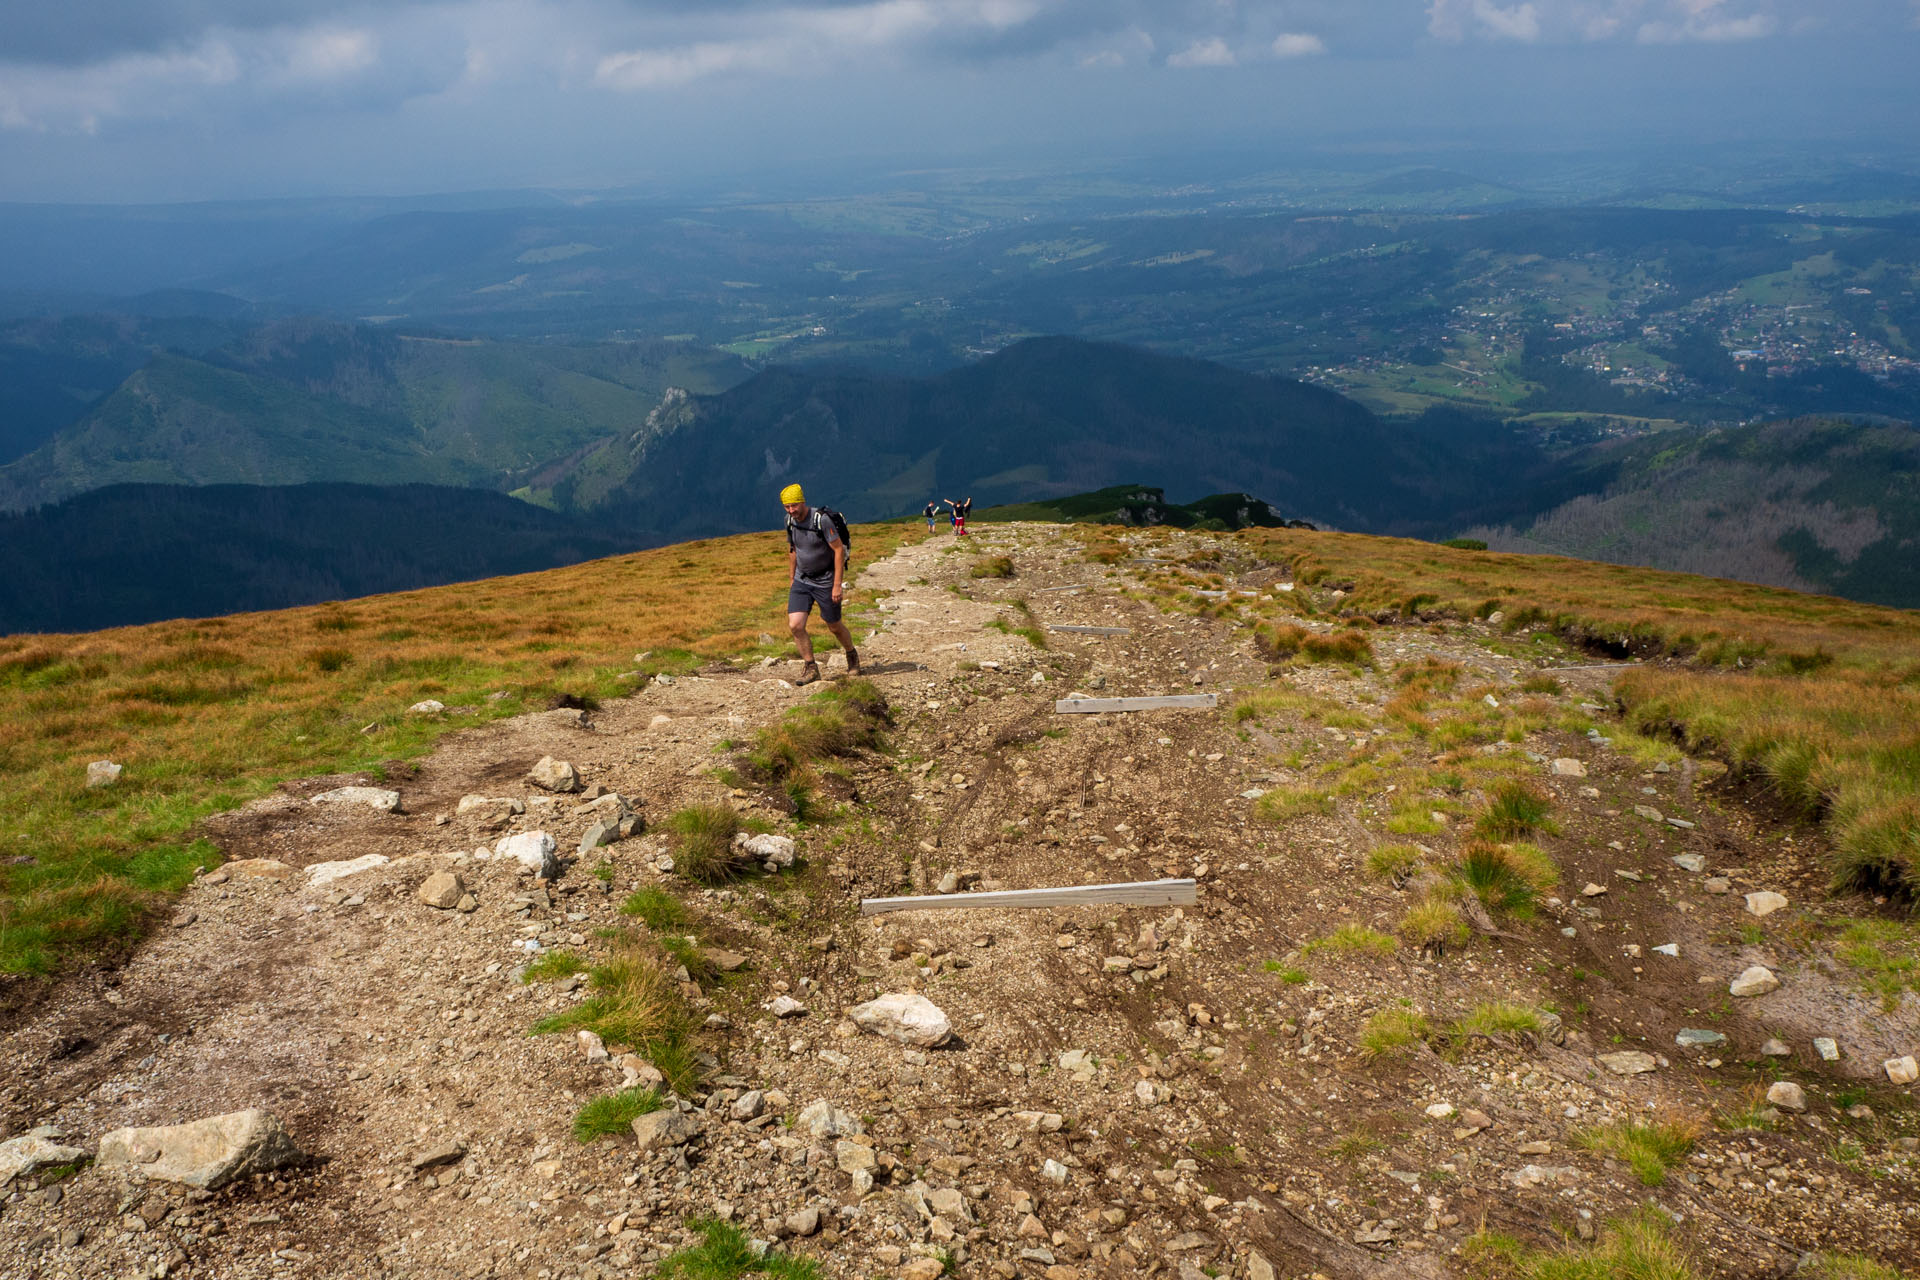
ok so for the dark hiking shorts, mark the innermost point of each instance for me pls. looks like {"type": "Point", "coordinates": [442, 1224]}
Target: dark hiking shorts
{"type": "Point", "coordinates": [802, 596]}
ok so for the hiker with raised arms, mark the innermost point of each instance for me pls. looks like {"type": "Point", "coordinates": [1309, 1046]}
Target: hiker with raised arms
{"type": "Point", "coordinates": [817, 568]}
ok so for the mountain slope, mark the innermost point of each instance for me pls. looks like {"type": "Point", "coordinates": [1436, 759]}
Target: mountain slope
{"type": "Point", "coordinates": [1813, 505]}
{"type": "Point", "coordinates": [139, 553]}
{"type": "Point", "coordinates": [310, 400]}
{"type": "Point", "coordinates": [1046, 418]}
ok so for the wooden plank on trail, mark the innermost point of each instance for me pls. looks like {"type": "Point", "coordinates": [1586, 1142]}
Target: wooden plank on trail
{"type": "Point", "coordinates": [1138, 893]}
{"type": "Point", "coordinates": [1041, 591]}
{"type": "Point", "coordinates": [1090, 631]}
{"type": "Point", "coordinates": [1094, 706]}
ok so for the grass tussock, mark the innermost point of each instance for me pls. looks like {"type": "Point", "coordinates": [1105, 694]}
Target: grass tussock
{"type": "Point", "coordinates": [634, 1002]}
{"type": "Point", "coordinates": [1497, 1018]}
{"type": "Point", "coordinates": [1508, 878]}
{"type": "Point", "coordinates": [1639, 1247]}
{"type": "Point", "coordinates": [613, 1114]}
{"type": "Point", "coordinates": [1432, 676]}
{"type": "Point", "coordinates": [1354, 940]}
{"type": "Point", "coordinates": [703, 842]}
{"type": "Point", "coordinates": [1885, 956]}
{"type": "Point", "coordinates": [1283, 804]}
{"type": "Point", "coordinates": [1284, 642]}
{"type": "Point", "coordinates": [1847, 1266]}
{"type": "Point", "coordinates": [1433, 926]}
{"type": "Point", "coordinates": [1393, 1032]}
{"type": "Point", "coordinates": [992, 567]}
{"type": "Point", "coordinates": [1395, 863]}
{"type": "Point", "coordinates": [1105, 551]}
{"type": "Point", "coordinates": [209, 714]}
{"type": "Point", "coordinates": [552, 967]}
{"type": "Point", "coordinates": [725, 1253]}
{"type": "Point", "coordinates": [1515, 809]}
{"type": "Point", "coordinates": [659, 910]}
{"type": "Point", "coordinates": [841, 720]}
{"type": "Point", "coordinates": [1276, 700]}
{"type": "Point", "coordinates": [1650, 1149]}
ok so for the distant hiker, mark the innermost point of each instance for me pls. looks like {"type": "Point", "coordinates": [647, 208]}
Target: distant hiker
{"type": "Point", "coordinates": [961, 510]}
{"type": "Point", "coordinates": [817, 564]}
{"type": "Point", "coordinates": [933, 509]}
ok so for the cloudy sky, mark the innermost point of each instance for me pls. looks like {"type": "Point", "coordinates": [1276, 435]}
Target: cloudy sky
{"type": "Point", "coordinates": [133, 100]}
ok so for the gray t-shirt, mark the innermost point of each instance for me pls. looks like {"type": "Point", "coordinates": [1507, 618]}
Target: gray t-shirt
{"type": "Point", "coordinates": [814, 539]}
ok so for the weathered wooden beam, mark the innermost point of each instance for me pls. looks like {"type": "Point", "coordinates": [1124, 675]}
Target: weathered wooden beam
{"type": "Point", "coordinates": [1041, 591]}
{"type": "Point", "coordinates": [1073, 629]}
{"type": "Point", "coordinates": [1139, 893]}
{"type": "Point", "coordinates": [1095, 706]}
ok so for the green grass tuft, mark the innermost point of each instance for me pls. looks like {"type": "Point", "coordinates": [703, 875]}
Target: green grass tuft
{"type": "Point", "coordinates": [553, 966]}
{"type": "Point", "coordinates": [1516, 809]}
{"type": "Point", "coordinates": [660, 910]}
{"type": "Point", "coordinates": [1354, 939]}
{"type": "Point", "coordinates": [703, 842]}
{"type": "Point", "coordinates": [725, 1254]}
{"type": "Point", "coordinates": [1649, 1149]}
{"type": "Point", "coordinates": [1392, 1032]}
{"type": "Point", "coordinates": [613, 1114]}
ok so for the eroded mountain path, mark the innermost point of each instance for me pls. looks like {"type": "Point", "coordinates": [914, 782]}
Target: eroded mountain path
{"type": "Point", "coordinates": [1131, 1091]}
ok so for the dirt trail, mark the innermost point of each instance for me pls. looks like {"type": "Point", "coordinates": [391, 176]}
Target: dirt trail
{"type": "Point", "coordinates": [1132, 1091]}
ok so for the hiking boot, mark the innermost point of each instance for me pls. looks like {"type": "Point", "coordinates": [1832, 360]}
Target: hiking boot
{"type": "Point", "coordinates": [809, 673]}
{"type": "Point", "coordinates": [853, 662]}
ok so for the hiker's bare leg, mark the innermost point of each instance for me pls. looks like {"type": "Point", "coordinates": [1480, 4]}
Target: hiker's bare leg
{"type": "Point", "coordinates": [840, 633]}
{"type": "Point", "coordinates": [797, 623]}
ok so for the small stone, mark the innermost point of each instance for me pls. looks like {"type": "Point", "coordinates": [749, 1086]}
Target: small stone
{"type": "Point", "coordinates": [600, 833]}
{"type": "Point", "coordinates": [34, 1150]}
{"type": "Point", "coordinates": [554, 775]}
{"type": "Point", "coordinates": [1440, 1110]}
{"type": "Point", "coordinates": [441, 1153]}
{"type": "Point", "coordinates": [429, 707]}
{"type": "Point", "coordinates": [1902, 1070]}
{"type": "Point", "coordinates": [1717, 885]}
{"type": "Point", "coordinates": [1648, 812]}
{"type": "Point", "coordinates": [1671, 950]}
{"type": "Point", "coordinates": [592, 1046]}
{"type": "Point", "coordinates": [821, 1119]}
{"type": "Point", "coordinates": [1474, 1121]}
{"type": "Point", "coordinates": [854, 1157]}
{"type": "Point", "coordinates": [1628, 1062]}
{"type": "Point", "coordinates": [723, 960]}
{"type": "Point", "coordinates": [1690, 861]}
{"type": "Point", "coordinates": [1827, 1048]}
{"type": "Point", "coordinates": [779, 850]}
{"type": "Point", "coordinates": [322, 873]}
{"type": "Point", "coordinates": [1054, 1171]}
{"type": "Point", "coordinates": [104, 773]}
{"type": "Point", "coordinates": [257, 869]}
{"type": "Point", "coordinates": [442, 890]}
{"type": "Point", "coordinates": [467, 905]}
{"type": "Point", "coordinates": [1569, 768]}
{"type": "Point", "coordinates": [786, 1007]}
{"type": "Point", "coordinates": [1776, 1049]}
{"type": "Point", "coordinates": [1538, 1147]}
{"type": "Point", "coordinates": [804, 1222]}
{"type": "Point", "coordinates": [923, 1269]}
{"type": "Point", "coordinates": [1258, 1268]}
{"type": "Point", "coordinates": [1536, 1175]}
{"type": "Point", "coordinates": [1592, 890]}
{"type": "Point", "coordinates": [1787, 1095]}
{"type": "Point", "coordinates": [1693, 1038]}
{"type": "Point", "coordinates": [1755, 980]}
{"type": "Point", "coordinates": [1764, 903]}
{"type": "Point", "coordinates": [658, 1130]}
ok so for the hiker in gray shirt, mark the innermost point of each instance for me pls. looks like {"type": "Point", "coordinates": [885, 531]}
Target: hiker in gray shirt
{"type": "Point", "coordinates": [817, 561]}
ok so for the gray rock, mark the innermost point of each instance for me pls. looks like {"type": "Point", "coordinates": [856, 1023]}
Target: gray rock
{"type": "Point", "coordinates": [320, 873]}
{"type": "Point", "coordinates": [905, 1017]}
{"type": "Point", "coordinates": [1692, 1038]}
{"type": "Point", "coordinates": [1566, 767]}
{"type": "Point", "coordinates": [598, 834]}
{"type": "Point", "coordinates": [658, 1130]}
{"type": "Point", "coordinates": [723, 960]}
{"type": "Point", "coordinates": [1764, 903]}
{"type": "Point", "coordinates": [786, 1007]}
{"type": "Point", "coordinates": [1827, 1047]}
{"type": "Point", "coordinates": [442, 890]}
{"type": "Point", "coordinates": [748, 1105]}
{"type": "Point", "coordinates": [1628, 1062]}
{"type": "Point", "coordinates": [1755, 980]}
{"type": "Point", "coordinates": [39, 1149]}
{"type": "Point", "coordinates": [554, 775]}
{"type": "Point", "coordinates": [1258, 1268]}
{"type": "Point", "coordinates": [1540, 1175]}
{"type": "Point", "coordinates": [378, 799]}
{"type": "Point", "coordinates": [1776, 1049]}
{"type": "Point", "coordinates": [440, 1153]}
{"type": "Point", "coordinates": [1787, 1095]}
{"type": "Point", "coordinates": [206, 1153]}
{"type": "Point", "coordinates": [1690, 861]}
{"type": "Point", "coordinates": [821, 1119]}
{"type": "Point", "coordinates": [766, 849]}
{"type": "Point", "coordinates": [501, 805]}
{"type": "Point", "coordinates": [1648, 812]}
{"type": "Point", "coordinates": [531, 849]}
{"type": "Point", "coordinates": [1717, 885]}
{"type": "Point", "coordinates": [104, 773]}
{"type": "Point", "coordinates": [1903, 1070]}
{"type": "Point", "coordinates": [429, 707]}
{"type": "Point", "coordinates": [804, 1222]}
{"type": "Point", "coordinates": [950, 1204]}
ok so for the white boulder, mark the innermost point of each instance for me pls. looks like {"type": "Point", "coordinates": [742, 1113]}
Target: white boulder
{"type": "Point", "coordinates": [531, 849]}
{"type": "Point", "coordinates": [206, 1153]}
{"type": "Point", "coordinates": [904, 1017]}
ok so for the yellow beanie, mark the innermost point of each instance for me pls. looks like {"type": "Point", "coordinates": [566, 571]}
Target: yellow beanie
{"type": "Point", "coordinates": [792, 493]}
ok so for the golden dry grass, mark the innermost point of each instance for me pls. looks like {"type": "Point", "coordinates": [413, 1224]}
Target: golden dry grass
{"type": "Point", "coordinates": [208, 714]}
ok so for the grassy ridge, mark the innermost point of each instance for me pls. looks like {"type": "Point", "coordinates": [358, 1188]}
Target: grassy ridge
{"type": "Point", "coordinates": [1819, 696]}
{"type": "Point", "coordinates": [206, 715]}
